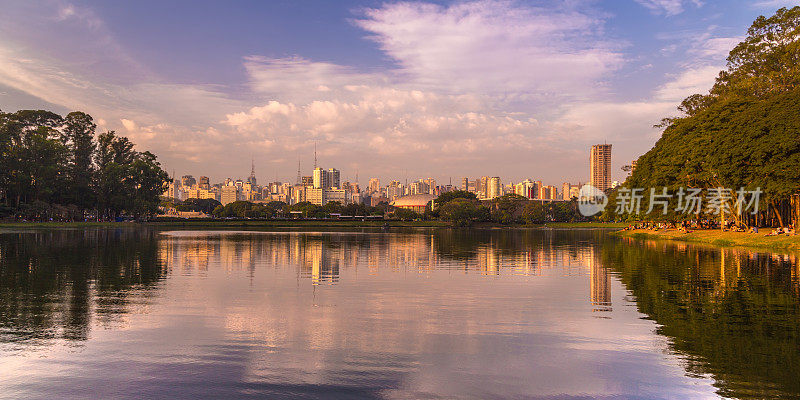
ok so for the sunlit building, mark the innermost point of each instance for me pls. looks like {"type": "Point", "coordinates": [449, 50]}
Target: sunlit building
{"type": "Point", "coordinates": [416, 202]}
{"type": "Point", "coordinates": [600, 166]}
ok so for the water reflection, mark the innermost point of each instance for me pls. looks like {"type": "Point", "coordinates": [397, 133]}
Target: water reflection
{"type": "Point", "coordinates": [320, 256]}
{"type": "Point", "coordinates": [731, 313]}
{"type": "Point", "coordinates": [463, 313]}
{"type": "Point", "coordinates": [52, 283]}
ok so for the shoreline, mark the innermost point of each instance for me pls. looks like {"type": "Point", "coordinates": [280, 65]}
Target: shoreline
{"type": "Point", "coordinates": [717, 238]}
{"type": "Point", "coordinates": [305, 223]}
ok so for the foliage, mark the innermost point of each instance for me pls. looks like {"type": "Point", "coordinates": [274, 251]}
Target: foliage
{"type": "Point", "coordinates": [554, 211]}
{"type": "Point", "coordinates": [405, 214]}
{"type": "Point", "coordinates": [462, 211]}
{"type": "Point", "coordinates": [743, 133]}
{"type": "Point", "coordinates": [732, 144]}
{"type": "Point", "coordinates": [764, 64]}
{"type": "Point", "coordinates": [507, 209]}
{"type": "Point", "coordinates": [52, 167]}
{"type": "Point", "coordinates": [243, 209]}
{"type": "Point", "coordinates": [206, 206]}
{"type": "Point", "coordinates": [308, 209]}
{"type": "Point", "coordinates": [452, 195]}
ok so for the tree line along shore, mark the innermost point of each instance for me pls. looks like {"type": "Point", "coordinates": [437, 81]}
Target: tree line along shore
{"type": "Point", "coordinates": [744, 134]}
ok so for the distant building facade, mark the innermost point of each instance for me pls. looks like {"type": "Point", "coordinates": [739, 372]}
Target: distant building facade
{"type": "Point", "coordinates": [600, 166]}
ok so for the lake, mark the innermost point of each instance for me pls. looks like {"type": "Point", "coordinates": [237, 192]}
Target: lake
{"type": "Point", "coordinates": [416, 313]}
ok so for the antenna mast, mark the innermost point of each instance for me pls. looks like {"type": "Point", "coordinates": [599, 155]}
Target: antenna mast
{"type": "Point", "coordinates": [298, 171]}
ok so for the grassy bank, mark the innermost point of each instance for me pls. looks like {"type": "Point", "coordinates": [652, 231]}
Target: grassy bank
{"type": "Point", "coordinates": [586, 224]}
{"type": "Point", "coordinates": [228, 224]}
{"type": "Point", "coordinates": [295, 224]}
{"type": "Point", "coordinates": [719, 238]}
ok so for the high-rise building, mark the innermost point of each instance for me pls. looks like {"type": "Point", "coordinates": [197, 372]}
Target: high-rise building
{"type": "Point", "coordinates": [374, 185]}
{"type": "Point", "coordinates": [204, 184]}
{"type": "Point", "coordinates": [483, 187]}
{"type": "Point", "coordinates": [575, 191]}
{"type": "Point", "coordinates": [315, 196]}
{"type": "Point", "coordinates": [230, 193]}
{"type": "Point", "coordinates": [394, 190]}
{"type": "Point", "coordinates": [188, 181]}
{"type": "Point", "coordinates": [431, 185]}
{"type": "Point", "coordinates": [465, 184]}
{"type": "Point", "coordinates": [494, 188]}
{"type": "Point", "coordinates": [319, 178]}
{"type": "Point", "coordinates": [600, 166]}
{"type": "Point", "coordinates": [527, 189]}
{"type": "Point", "coordinates": [326, 179]}
{"type": "Point", "coordinates": [333, 178]}
{"type": "Point", "coordinates": [549, 193]}
{"type": "Point", "coordinates": [252, 178]}
{"type": "Point", "coordinates": [307, 181]}
{"type": "Point", "coordinates": [568, 191]}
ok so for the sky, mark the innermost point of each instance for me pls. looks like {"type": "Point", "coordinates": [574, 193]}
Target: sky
{"type": "Point", "coordinates": [394, 90]}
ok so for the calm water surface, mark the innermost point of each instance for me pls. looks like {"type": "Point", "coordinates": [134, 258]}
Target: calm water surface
{"type": "Point", "coordinates": [146, 313]}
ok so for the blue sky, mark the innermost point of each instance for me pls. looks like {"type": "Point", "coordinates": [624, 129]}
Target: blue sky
{"type": "Point", "coordinates": [517, 89]}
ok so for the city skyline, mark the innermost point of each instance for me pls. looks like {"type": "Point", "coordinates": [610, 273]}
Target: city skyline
{"type": "Point", "coordinates": [368, 81]}
{"type": "Point", "coordinates": [325, 185]}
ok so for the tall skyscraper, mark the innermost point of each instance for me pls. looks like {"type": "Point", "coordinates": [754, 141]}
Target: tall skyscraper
{"type": "Point", "coordinates": [252, 178]}
{"type": "Point", "coordinates": [319, 178]}
{"type": "Point", "coordinates": [374, 185]}
{"type": "Point", "coordinates": [494, 188]}
{"type": "Point", "coordinates": [333, 178]}
{"type": "Point", "coordinates": [600, 166]}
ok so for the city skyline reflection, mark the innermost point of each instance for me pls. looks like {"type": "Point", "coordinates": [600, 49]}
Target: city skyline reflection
{"type": "Point", "coordinates": [395, 313]}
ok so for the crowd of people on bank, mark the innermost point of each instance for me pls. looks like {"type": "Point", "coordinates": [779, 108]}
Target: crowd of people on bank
{"type": "Point", "coordinates": [689, 226]}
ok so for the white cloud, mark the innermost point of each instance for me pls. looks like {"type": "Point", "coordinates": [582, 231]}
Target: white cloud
{"type": "Point", "coordinates": [691, 81]}
{"type": "Point", "coordinates": [668, 7]}
{"type": "Point", "coordinates": [494, 47]}
{"type": "Point", "coordinates": [774, 3]}
{"type": "Point", "coordinates": [386, 121]}
{"type": "Point", "coordinates": [443, 107]}
{"type": "Point", "coordinates": [128, 124]}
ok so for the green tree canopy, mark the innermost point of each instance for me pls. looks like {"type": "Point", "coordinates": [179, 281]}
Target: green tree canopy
{"type": "Point", "coordinates": [455, 194]}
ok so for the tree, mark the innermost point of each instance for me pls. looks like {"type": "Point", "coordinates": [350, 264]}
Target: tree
{"type": "Point", "coordinates": [78, 135]}
{"type": "Point", "coordinates": [743, 133]}
{"type": "Point", "coordinates": [332, 207]}
{"type": "Point", "coordinates": [535, 213]}
{"type": "Point", "coordinates": [32, 165]}
{"type": "Point", "coordinates": [206, 206]}
{"type": "Point", "coordinates": [308, 209]}
{"type": "Point", "coordinates": [148, 181]}
{"type": "Point", "coordinates": [455, 194]}
{"type": "Point", "coordinates": [126, 179]}
{"type": "Point", "coordinates": [405, 214]}
{"type": "Point", "coordinates": [244, 209]}
{"type": "Point", "coordinates": [764, 64]}
{"type": "Point", "coordinates": [51, 167]}
{"type": "Point", "coordinates": [461, 211]}
{"type": "Point", "coordinates": [507, 209]}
